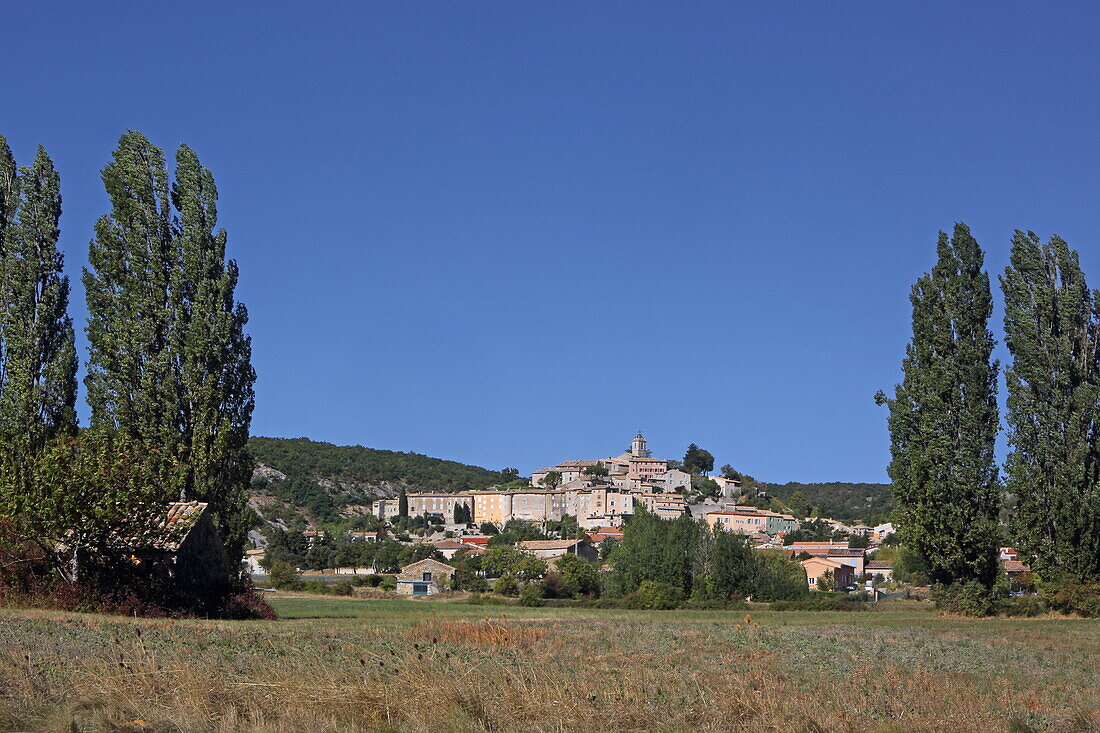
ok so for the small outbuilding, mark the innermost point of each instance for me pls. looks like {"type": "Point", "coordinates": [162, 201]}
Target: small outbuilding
{"type": "Point", "coordinates": [424, 578]}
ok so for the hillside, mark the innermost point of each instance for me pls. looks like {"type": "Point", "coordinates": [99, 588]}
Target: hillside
{"type": "Point", "coordinates": [298, 478]}
{"type": "Point", "coordinates": [869, 503]}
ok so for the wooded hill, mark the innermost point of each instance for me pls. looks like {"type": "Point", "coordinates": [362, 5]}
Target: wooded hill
{"type": "Point", "coordinates": [323, 478]}
{"type": "Point", "coordinates": [869, 503]}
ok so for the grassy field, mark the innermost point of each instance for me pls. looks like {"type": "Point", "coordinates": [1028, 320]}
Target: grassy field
{"type": "Point", "coordinates": [335, 664]}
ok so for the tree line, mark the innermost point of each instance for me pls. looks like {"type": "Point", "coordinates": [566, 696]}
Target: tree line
{"type": "Point", "coordinates": [944, 421]}
{"type": "Point", "coordinates": [169, 377]}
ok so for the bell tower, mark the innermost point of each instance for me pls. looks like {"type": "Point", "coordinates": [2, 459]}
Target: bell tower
{"type": "Point", "coordinates": [638, 447]}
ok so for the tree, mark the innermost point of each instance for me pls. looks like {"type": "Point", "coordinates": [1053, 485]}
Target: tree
{"type": "Point", "coordinates": [37, 349]}
{"type": "Point", "coordinates": [597, 471]}
{"type": "Point", "coordinates": [730, 473]}
{"type": "Point", "coordinates": [697, 460]}
{"type": "Point", "coordinates": [169, 363]}
{"type": "Point", "coordinates": [1052, 330]}
{"type": "Point", "coordinates": [943, 419]}
{"type": "Point", "coordinates": [578, 576]}
{"type": "Point", "coordinates": [402, 503]}
{"type": "Point", "coordinates": [551, 480]}
{"type": "Point", "coordinates": [827, 581]}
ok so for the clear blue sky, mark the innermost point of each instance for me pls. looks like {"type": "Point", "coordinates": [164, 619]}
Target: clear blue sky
{"type": "Point", "coordinates": [511, 233]}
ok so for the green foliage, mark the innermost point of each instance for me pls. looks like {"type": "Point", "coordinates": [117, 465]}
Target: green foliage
{"type": "Point", "coordinates": [37, 351]}
{"type": "Point", "coordinates": [970, 598]}
{"type": "Point", "coordinates": [814, 530]}
{"type": "Point", "coordinates": [531, 595]}
{"type": "Point", "coordinates": [169, 364]}
{"type": "Point", "coordinates": [283, 576]}
{"type": "Point", "coordinates": [578, 577]}
{"type": "Point", "coordinates": [1066, 594]}
{"type": "Point", "coordinates": [697, 460]}
{"type": "Point", "coordinates": [653, 595]}
{"type": "Point", "coordinates": [868, 503]}
{"type": "Point", "coordinates": [943, 420]}
{"type": "Point", "coordinates": [778, 578]}
{"type": "Point", "coordinates": [598, 470]}
{"type": "Point", "coordinates": [506, 585]}
{"type": "Point", "coordinates": [858, 541]}
{"type": "Point", "coordinates": [909, 567]}
{"type": "Point", "coordinates": [552, 480]}
{"type": "Point", "coordinates": [1052, 327]}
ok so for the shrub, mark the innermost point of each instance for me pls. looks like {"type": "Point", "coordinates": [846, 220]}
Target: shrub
{"type": "Point", "coordinates": [388, 583]}
{"type": "Point", "coordinates": [1025, 606]}
{"type": "Point", "coordinates": [653, 595]}
{"type": "Point", "coordinates": [506, 585]}
{"type": "Point", "coordinates": [965, 599]}
{"type": "Point", "coordinates": [531, 595]}
{"type": "Point", "coordinates": [283, 576]}
{"type": "Point", "coordinates": [819, 602]}
{"type": "Point", "coordinates": [1067, 596]}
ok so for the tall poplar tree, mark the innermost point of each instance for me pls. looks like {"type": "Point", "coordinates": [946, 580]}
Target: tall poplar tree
{"type": "Point", "coordinates": [39, 354]}
{"type": "Point", "coordinates": [1052, 328]}
{"type": "Point", "coordinates": [9, 202]}
{"type": "Point", "coordinates": [170, 364]}
{"type": "Point", "coordinates": [944, 421]}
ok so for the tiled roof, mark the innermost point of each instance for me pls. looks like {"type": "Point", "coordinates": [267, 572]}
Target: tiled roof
{"type": "Point", "coordinates": [880, 565]}
{"type": "Point", "coordinates": [547, 544]}
{"type": "Point", "coordinates": [1015, 566]}
{"type": "Point", "coordinates": [170, 532]}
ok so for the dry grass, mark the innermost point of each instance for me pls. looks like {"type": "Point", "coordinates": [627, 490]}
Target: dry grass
{"type": "Point", "coordinates": [545, 671]}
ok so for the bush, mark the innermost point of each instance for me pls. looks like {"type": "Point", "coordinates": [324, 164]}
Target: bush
{"type": "Point", "coordinates": [1067, 596]}
{"type": "Point", "coordinates": [283, 576]}
{"type": "Point", "coordinates": [531, 595]}
{"type": "Point", "coordinates": [654, 596]}
{"type": "Point", "coordinates": [479, 600]}
{"type": "Point", "coordinates": [506, 585]}
{"type": "Point", "coordinates": [1025, 606]}
{"type": "Point", "coordinates": [388, 583]}
{"type": "Point", "coordinates": [965, 599]}
{"type": "Point", "coordinates": [819, 602]}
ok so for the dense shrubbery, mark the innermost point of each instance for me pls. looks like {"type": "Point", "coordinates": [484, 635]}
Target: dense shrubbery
{"type": "Point", "coordinates": [703, 565]}
{"type": "Point", "coordinates": [966, 599]}
{"type": "Point", "coordinates": [1067, 596]}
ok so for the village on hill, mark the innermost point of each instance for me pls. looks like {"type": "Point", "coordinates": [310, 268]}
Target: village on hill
{"type": "Point", "coordinates": [579, 508]}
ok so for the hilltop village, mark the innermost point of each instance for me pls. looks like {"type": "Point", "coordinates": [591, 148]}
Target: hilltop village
{"type": "Point", "coordinates": [576, 507]}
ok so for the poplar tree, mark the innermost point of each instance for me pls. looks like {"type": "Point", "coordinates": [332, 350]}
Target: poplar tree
{"type": "Point", "coordinates": [9, 202]}
{"type": "Point", "coordinates": [169, 362]}
{"type": "Point", "coordinates": [944, 420]}
{"type": "Point", "coordinates": [213, 355]}
{"type": "Point", "coordinates": [38, 401]}
{"type": "Point", "coordinates": [1052, 328]}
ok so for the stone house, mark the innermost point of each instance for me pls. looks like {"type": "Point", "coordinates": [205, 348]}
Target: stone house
{"type": "Point", "coordinates": [424, 578]}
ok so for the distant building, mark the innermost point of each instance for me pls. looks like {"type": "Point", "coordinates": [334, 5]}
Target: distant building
{"type": "Point", "coordinates": [424, 578]}
{"type": "Point", "coordinates": [548, 549]}
{"type": "Point", "coordinates": [817, 567]}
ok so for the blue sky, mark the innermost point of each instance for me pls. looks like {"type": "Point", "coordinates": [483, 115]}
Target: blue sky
{"type": "Point", "coordinates": [510, 233]}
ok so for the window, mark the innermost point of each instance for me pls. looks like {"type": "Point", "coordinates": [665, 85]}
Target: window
{"type": "Point", "coordinates": [813, 581]}
{"type": "Point", "coordinates": [427, 577]}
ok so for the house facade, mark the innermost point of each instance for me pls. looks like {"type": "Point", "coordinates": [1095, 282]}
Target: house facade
{"type": "Point", "coordinates": [424, 578]}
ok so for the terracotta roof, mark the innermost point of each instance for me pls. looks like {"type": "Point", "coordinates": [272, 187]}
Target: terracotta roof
{"type": "Point", "coordinates": [449, 545]}
{"type": "Point", "coordinates": [1015, 566]}
{"type": "Point", "coordinates": [173, 529]}
{"type": "Point", "coordinates": [474, 540]}
{"type": "Point", "coordinates": [880, 565]}
{"type": "Point", "coordinates": [546, 544]}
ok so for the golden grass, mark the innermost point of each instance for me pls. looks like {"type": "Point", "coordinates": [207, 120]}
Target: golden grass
{"type": "Point", "coordinates": [69, 672]}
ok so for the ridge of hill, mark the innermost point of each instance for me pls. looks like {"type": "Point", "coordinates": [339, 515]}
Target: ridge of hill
{"type": "Point", "coordinates": [866, 502]}
{"type": "Point", "coordinates": [298, 480]}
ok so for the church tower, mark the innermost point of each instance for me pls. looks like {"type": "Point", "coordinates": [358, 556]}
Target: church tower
{"type": "Point", "coordinates": [638, 447]}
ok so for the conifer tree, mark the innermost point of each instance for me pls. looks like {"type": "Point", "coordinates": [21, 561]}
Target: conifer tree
{"type": "Point", "coordinates": [1052, 328]}
{"type": "Point", "coordinates": [38, 401]}
{"type": "Point", "coordinates": [944, 421]}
